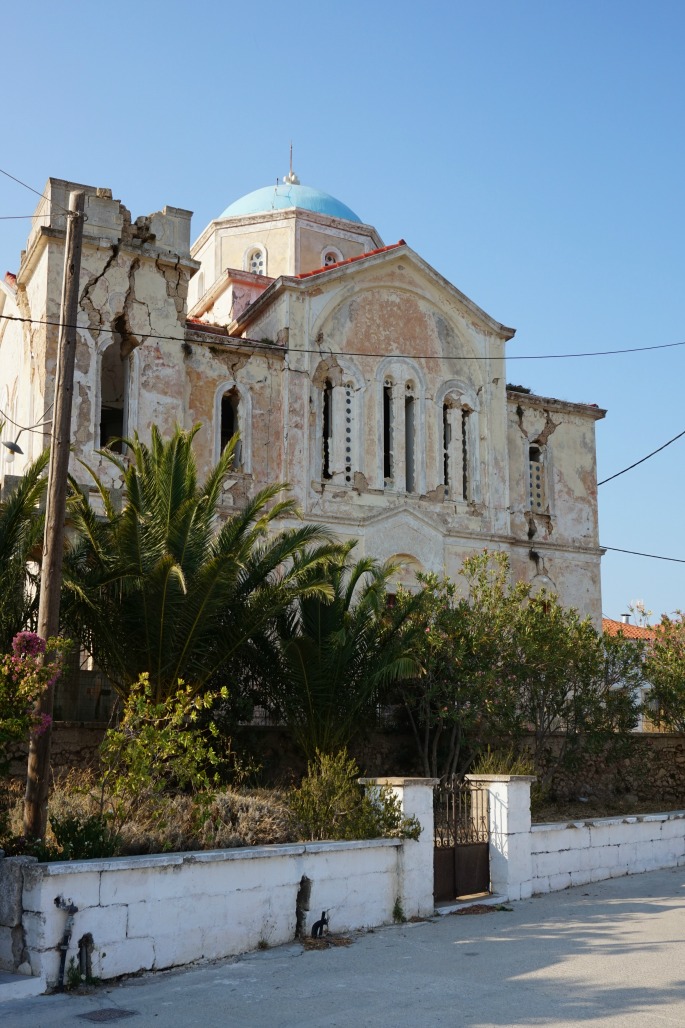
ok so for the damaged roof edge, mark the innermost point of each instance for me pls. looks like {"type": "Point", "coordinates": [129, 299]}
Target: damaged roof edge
{"type": "Point", "coordinates": [587, 409]}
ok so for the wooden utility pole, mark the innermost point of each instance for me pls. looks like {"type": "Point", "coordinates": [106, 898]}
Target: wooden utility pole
{"type": "Point", "coordinates": [37, 780]}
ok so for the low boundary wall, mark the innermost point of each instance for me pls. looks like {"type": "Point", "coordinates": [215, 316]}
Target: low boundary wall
{"type": "Point", "coordinates": [579, 852]}
{"type": "Point", "coordinates": [159, 911]}
{"type": "Point", "coordinates": [526, 859]}
{"type": "Point", "coordinates": [166, 910]}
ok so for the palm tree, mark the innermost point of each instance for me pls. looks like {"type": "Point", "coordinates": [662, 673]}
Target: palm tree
{"type": "Point", "coordinates": [161, 586]}
{"type": "Point", "coordinates": [21, 534]}
{"type": "Point", "coordinates": [326, 663]}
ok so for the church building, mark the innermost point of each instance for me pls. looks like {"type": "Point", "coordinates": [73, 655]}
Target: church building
{"type": "Point", "coordinates": [351, 369]}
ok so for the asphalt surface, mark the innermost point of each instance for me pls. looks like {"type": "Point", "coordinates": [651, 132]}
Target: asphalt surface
{"type": "Point", "coordinates": [610, 954]}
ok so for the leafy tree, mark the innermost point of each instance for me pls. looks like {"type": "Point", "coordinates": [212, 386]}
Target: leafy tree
{"type": "Point", "coordinates": [502, 662]}
{"type": "Point", "coordinates": [21, 535]}
{"type": "Point", "coordinates": [465, 647]}
{"type": "Point", "coordinates": [163, 587]}
{"type": "Point", "coordinates": [571, 682]}
{"type": "Point", "coordinates": [328, 661]}
{"type": "Point", "coordinates": [665, 671]}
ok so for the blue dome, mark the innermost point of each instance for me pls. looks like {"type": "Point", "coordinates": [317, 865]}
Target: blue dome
{"type": "Point", "coordinates": [286, 195]}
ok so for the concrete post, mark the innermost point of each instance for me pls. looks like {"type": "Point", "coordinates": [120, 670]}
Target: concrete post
{"type": "Point", "coordinates": [416, 857]}
{"type": "Point", "coordinates": [511, 869]}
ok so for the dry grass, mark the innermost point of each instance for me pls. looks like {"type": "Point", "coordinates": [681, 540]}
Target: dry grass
{"type": "Point", "coordinates": [619, 806]}
{"type": "Point", "coordinates": [227, 818]}
{"type": "Point", "coordinates": [326, 941]}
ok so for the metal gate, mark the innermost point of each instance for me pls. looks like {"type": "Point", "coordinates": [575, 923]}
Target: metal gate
{"type": "Point", "coordinates": [461, 861]}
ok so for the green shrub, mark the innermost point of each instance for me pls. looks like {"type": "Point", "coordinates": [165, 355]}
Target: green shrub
{"type": "Point", "coordinates": [330, 804]}
{"type": "Point", "coordinates": [157, 750]}
{"type": "Point", "coordinates": [84, 837]}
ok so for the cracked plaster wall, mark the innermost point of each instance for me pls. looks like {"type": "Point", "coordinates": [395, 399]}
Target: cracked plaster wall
{"type": "Point", "coordinates": [207, 370]}
{"type": "Point", "coordinates": [133, 293]}
{"type": "Point", "coordinates": [394, 310]}
{"type": "Point", "coordinates": [564, 539]}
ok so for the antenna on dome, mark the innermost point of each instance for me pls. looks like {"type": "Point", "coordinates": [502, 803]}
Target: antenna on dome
{"type": "Point", "coordinates": [291, 178]}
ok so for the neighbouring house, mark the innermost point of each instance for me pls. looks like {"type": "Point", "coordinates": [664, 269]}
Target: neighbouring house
{"type": "Point", "coordinates": [645, 633]}
{"type": "Point", "coordinates": [351, 369]}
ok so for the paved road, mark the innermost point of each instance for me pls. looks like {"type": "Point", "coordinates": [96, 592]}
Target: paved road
{"type": "Point", "coordinates": [610, 954]}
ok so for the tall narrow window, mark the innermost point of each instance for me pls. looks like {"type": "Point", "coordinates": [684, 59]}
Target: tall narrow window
{"type": "Point", "coordinates": [113, 389]}
{"type": "Point", "coordinates": [388, 433]}
{"type": "Point", "coordinates": [348, 432]}
{"type": "Point", "coordinates": [230, 424]}
{"type": "Point", "coordinates": [327, 423]}
{"type": "Point", "coordinates": [536, 479]}
{"type": "Point", "coordinates": [465, 484]}
{"type": "Point", "coordinates": [409, 435]}
{"type": "Point", "coordinates": [446, 445]}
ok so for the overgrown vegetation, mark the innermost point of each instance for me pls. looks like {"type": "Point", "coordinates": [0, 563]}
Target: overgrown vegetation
{"type": "Point", "coordinates": [327, 661]}
{"type": "Point", "coordinates": [330, 804]}
{"type": "Point", "coordinates": [164, 587]}
{"type": "Point", "coordinates": [665, 670]}
{"type": "Point", "coordinates": [24, 676]}
{"type": "Point", "coordinates": [196, 618]}
{"type": "Point", "coordinates": [500, 662]}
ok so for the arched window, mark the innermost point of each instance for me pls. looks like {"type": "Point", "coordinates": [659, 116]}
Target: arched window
{"type": "Point", "coordinates": [230, 424]}
{"type": "Point", "coordinates": [114, 373]}
{"type": "Point", "coordinates": [233, 415]}
{"type": "Point", "coordinates": [460, 462]}
{"type": "Point", "coordinates": [330, 255]}
{"type": "Point", "coordinates": [409, 437]}
{"type": "Point", "coordinates": [200, 285]}
{"type": "Point", "coordinates": [256, 260]}
{"type": "Point", "coordinates": [338, 402]}
{"type": "Point", "coordinates": [327, 430]}
{"type": "Point", "coordinates": [388, 432]}
{"type": "Point", "coordinates": [401, 400]}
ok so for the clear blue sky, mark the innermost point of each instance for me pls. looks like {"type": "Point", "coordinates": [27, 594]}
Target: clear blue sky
{"type": "Point", "coordinates": [531, 151]}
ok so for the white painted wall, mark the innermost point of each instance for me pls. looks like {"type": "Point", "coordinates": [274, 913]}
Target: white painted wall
{"type": "Point", "coordinates": [166, 910]}
{"type": "Point", "coordinates": [527, 859]}
{"type": "Point", "coordinates": [590, 851]}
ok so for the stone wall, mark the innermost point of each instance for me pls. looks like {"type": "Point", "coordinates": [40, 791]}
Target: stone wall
{"type": "Point", "coordinates": [75, 745]}
{"type": "Point", "coordinates": [647, 766]}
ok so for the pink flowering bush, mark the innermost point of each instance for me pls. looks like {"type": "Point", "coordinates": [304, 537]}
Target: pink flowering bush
{"type": "Point", "coordinates": [23, 678]}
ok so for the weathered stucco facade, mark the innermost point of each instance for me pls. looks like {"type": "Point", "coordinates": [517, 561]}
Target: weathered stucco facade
{"type": "Point", "coordinates": [352, 370]}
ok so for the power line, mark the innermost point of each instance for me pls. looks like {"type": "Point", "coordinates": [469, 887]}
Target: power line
{"type": "Point", "coordinates": [324, 352]}
{"type": "Point", "coordinates": [32, 190]}
{"type": "Point", "coordinates": [637, 553]}
{"type": "Point", "coordinates": [643, 459]}
{"type": "Point", "coordinates": [20, 217]}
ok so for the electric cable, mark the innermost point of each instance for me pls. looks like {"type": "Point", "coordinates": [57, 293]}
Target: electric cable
{"type": "Point", "coordinates": [32, 190]}
{"type": "Point", "coordinates": [642, 459]}
{"type": "Point", "coordinates": [637, 553]}
{"type": "Point", "coordinates": [325, 352]}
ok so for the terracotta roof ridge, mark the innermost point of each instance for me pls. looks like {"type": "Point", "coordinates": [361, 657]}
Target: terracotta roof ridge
{"type": "Point", "coordinates": [350, 260]}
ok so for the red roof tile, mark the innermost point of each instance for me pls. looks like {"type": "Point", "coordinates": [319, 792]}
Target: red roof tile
{"type": "Point", "coordinates": [612, 627]}
{"type": "Point", "coordinates": [350, 260]}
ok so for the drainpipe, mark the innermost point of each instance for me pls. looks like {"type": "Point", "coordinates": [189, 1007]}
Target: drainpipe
{"type": "Point", "coordinates": [62, 904]}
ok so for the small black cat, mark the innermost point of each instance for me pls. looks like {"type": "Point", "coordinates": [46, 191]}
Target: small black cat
{"type": "Point", "coordinates": [318, 926]}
